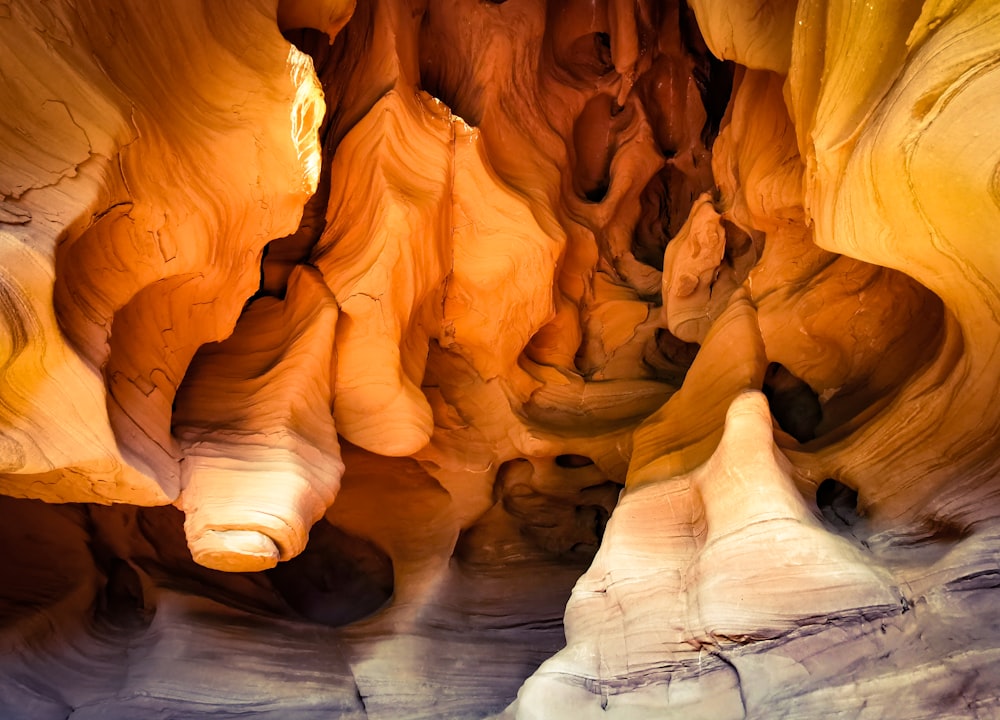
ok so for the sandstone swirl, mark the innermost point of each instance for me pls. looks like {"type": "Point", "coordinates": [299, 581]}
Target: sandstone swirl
{"type": "Point", "coordinates": [514, 358]}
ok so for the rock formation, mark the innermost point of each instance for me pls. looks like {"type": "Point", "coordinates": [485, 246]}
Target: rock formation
{"type": "Point", "coordinates": [514, 358]}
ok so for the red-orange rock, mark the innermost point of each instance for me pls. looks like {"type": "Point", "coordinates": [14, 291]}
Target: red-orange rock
{"type": "Point", "coordinates": [392, 300]}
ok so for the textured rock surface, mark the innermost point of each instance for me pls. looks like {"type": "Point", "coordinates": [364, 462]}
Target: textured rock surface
{"type": "Point", "coordinates": [523, 359]}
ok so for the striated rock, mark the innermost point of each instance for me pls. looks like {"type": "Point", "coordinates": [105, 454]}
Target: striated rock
{"type": "Point", "coordinates": [152, 187]}
{"type": "Point", "coordinates": [707, 561]}
{"type": "Point", "coordinates": [683, 433]}
{"type": "Point", "coordinates": [757, 34]}
{"type": "Point", "coordinates": [528, 359]}
{"type": "Point", "coordinates": [911, 219]}
{"type": "Point", "coordinates": [260, 471]}
{"type": "Point", "coordinates": [384, 255]}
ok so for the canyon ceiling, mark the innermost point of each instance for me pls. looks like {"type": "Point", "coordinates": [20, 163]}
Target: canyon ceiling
{"type": "Point", "coordinates": [470, 358]}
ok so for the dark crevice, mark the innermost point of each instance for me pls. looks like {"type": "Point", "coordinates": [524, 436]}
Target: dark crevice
{"type": "Point", "coordinates": [712, 76]}
{"type": "Point", "coordinates": [601, 518]}
{"type": "Point", "coordinates": [312, 42]}
{"type": "Point", "coordinates": [838, 504]}
{"type": "Point", "coordinates": [587, 58]}
{"type": "Point", "coordinates": [653, 230]}
{"type": "Point", "coordinates": [573, 461]}
{"type": "Point", "coordinates": [795, 405]}
{"type": "Point", "coordinates": [597, 193]}
{"type": "Point", "coordinates": [530, 525]}
{"type": "Point", "coordinates": [602, 50]}
{"type": "Point", "coordinates": [261, 285]}
{"type": "Point", "coordinates": [669, 357]}
{"type": "Point", "coordinates": [715, 94]}
{"type": "Point", "coordinates": [738, 243]}
{"type": "Point", "coordinates": [454, 84]}
{"type": "Point", "coordinates": [122, 600]}
{"type": "Point", "coordinates": [594, 143]}
{"type": "Point", "coordinates": [337, 580]}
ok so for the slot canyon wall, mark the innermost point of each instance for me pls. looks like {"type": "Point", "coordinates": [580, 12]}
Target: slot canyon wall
{"type": "Point", "coordinates": [499, 358]}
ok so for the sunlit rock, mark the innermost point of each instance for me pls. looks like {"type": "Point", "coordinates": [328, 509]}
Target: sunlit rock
{"type": "Point", "coordinates": [523, 358]}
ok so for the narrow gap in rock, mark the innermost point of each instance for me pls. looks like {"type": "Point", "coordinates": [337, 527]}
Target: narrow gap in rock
{"type": "Point", "coordinates": [573, 461]}
{"type": "Point", "coordinates": [716, 87]}
{"type": "Point", "coordinates": [794, 404]}
{"type": "Point", "coordinates": [602, 48]}
{"type": "Point", "coordinates": [312, 42]}
{"type": "Point", "coordinates": [713, 77]}
{"type": "Point", "coordinates": [669, 357]}
{"type": "Point", "coordinates": [439, 76]}
{"type": "Point", "coordinates": [596, 518]}
{"type": "Point", "coordinates": [838, 504]}
{"type": "Point", "coordinates": [598, 192]}
{"type": "Point", "coordinates": [122, 600]}
{"type": "Point", "coordinates": [738, 243]}
{"type": "Point", "coordinates": [652, 231]}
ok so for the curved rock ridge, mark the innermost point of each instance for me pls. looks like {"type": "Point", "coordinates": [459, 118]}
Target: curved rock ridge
{"type": "Point", "coordinates": [676, 617]}
{"type": "Point", "coordinates": [420, 312]}
{"type": "Point", "coordinates": [259, 472]}
{"type": "Point", "coordinates": [679, 575]}
{"type": "Point", "coordinates": [146, 189]}
{"type": "Point", "coordinates": [919, 110]}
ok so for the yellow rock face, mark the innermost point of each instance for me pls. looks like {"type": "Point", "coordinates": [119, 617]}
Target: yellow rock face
{"type": "Point", "coordinates": [147, 189]}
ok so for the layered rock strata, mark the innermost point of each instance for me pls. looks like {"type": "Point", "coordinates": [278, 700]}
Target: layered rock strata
{"type": "Point", "coordinates": [437, 319]}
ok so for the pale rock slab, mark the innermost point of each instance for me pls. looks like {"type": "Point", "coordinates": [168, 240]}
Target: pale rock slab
{"type": "Point", "coordinates": [261, 458]}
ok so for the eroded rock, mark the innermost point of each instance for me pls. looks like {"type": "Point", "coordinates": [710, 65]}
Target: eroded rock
{"type": "Point", "coordinates": [431, 283]}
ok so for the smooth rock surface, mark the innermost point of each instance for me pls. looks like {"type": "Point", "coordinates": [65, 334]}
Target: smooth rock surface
{"type": "Point", "coordinates": [521, 358]}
